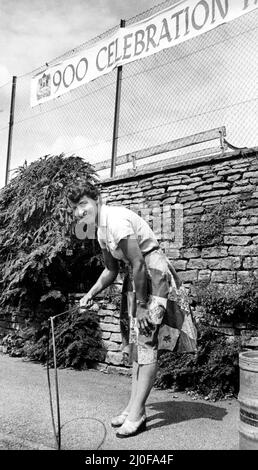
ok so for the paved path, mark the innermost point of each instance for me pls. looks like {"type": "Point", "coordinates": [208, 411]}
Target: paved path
{"type": "Point", "coordinates": [88, 400]}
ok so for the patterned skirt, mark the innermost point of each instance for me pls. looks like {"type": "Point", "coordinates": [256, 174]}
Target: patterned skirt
{"type": "Point", "coordinates": [173, 328]}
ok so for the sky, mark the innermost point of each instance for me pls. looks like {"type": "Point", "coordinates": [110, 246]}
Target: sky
{"type": "Point", "coordinates": [164, 104]}
{"type": "Point", "coordinates": [36, 31]}
{"type": "Point", "coordinates": [33, 32]}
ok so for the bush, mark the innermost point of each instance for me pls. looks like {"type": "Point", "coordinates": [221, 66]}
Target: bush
{"type": "Point", "coordinates": [36, 237]}
{"type": "Point", "coordinates": [77, 340]}
{"type": "Point", "coordinates": [234, 303]}
{"type": "Point", "coordinates": [213, 371]}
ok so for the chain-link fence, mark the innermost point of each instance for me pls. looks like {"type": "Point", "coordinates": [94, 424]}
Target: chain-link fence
{"type": "Point", "coordinates": [203, 83]}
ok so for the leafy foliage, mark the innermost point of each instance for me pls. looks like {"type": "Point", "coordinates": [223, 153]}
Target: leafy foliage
{"type": "Point", "coordinates": [234, 303]}
{"type": "Point", "coordinates": [77, 340]}
{"type": "Point", "coordinates": [208, 230]}
{"type": "Point", "coordinates": [213, 371]}
{"type": "Point", "coordinates": [35, 231]}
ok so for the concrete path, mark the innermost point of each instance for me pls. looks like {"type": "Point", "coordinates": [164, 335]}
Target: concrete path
{"type": "Point", "coordinates": [88, 400]}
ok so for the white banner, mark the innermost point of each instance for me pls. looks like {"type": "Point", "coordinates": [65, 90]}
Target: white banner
{"type": "Point", "coordinates": [184, 20]}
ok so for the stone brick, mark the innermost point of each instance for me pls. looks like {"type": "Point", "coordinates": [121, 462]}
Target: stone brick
{"type": "Point", "coordinates": [173, 253]}
{"type": "Point", "coordinates": [191, 253]}
{"type": "Point", "coordinates": [214, 252]}
{"type": "Point", "coordinates": [188, 276]}
{"type": "Point", "coordinates": [250, 250]}
{"type": "Point", "coordinates": [111, 307]}
{"type": "Point", "coordinates": [231, 221]}
{"type": "Point", "coordinates": [180, 265]}
{"type": "Point", "coordinates": [255, 240]}
{"type": "Point", "coordinates": [251, 174]}
{"type": "Point", "coordinates": [180, 187]}
{"type": "Point", "coordinates": [110, 319]}
{"type": "Point", "coordinates": [248, 221]}
{"type": "Point", "coordinates": [223, 276]}
{"type": "Point", "coordinates": [241, 230]}
{"type": "Point", "coordinates": [188, 198]}
{"type": "Point", "coordinates": [192, 179]}
{"type": "Point", "coordinates": [186, 193]}
{"type": "Point", "coordinates": [121, 197]}
{"type": "Point", "coordinates": [219, 192]}
{"type": "Point", "coordinates": [223, 166]}
{"type": "Point", "coordinates": [251, 212]}
{"type": "Point", "coordinates": [205, 187]}
{"type": "Point", "coordinates": [209, 175]}
{"type": "Point", "coordinates": [102, 313]}
{"type": "Point", "coordinates": [241, 162]}
{"type": "Point", "coordinates": [105, 334]}
{"type": "Point", "coordinates": [242, 182]}
{"type": "Point", "coordinates": [116, 337]}
{"type": "Point", "coordinates": [195, 185]}
{"type": "Point", "coordinates": [211, 201]}
{"type": "Point", "coordinates": [169, 200]}
{"type": "Point", "coordinates": [228, 198]}
{"type": "Point", "coordinates": [194, 210]}
{"type": "Point", "coordinates": [115, 358]}
{"type": "Point", "coordinates": [174, 183]}
{"type": "Point", "coordinates": [236, 240]}
{"type": "Point", "coordinates": [109, 327]}
{"type": "Point", "coordinates": [138, 201]}
{"type": "Point", "coordinates": [231, 262]}
{"type": "Point", "coordinates": [221, 185]}
{"type": "Point", "coordinates": [243, 276]}
{"type": "Point", "coordinates": [196, 263]}
{"type": "Point", "coordinates": [111, 346]}
{"type": "Point", "coordinates": [231, 171]}
{"type": "Point", "coordinates": [204, 275]}
{"type": "Point", "coordinates": [191, 204]}
{"type": "Point", "coordinates": [252, 203]}
{"type": "Point", "coordinates": [250, 263]}
{"type": "Point", "coordinates": [234, 177]}
{"type": "Point", "coordinates": [242, 189]}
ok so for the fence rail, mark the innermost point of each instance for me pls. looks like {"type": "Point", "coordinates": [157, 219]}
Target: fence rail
{"type": "Point", "coordinates": [201, 137]}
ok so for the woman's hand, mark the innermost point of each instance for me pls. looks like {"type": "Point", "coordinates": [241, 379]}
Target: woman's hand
{"type": "Point", "coordinates": [86, 301]}
{"type": "Point", "coordinates": [143, 320]}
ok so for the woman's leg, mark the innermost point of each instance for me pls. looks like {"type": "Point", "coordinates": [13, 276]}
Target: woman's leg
{"type": "Point", "coordinates": [135, 372]}
{"type": "Point", "coordinates": [141, 390]}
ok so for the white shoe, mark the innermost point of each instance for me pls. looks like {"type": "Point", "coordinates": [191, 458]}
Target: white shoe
{"type": "Point", "coordinates": [119, 420]}
{"type": "Point", "coordinates": [132, 428]}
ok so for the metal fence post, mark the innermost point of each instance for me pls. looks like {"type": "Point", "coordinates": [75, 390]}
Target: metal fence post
{"type": "Point", "coordinates": [10, 134]}
{"type": "Point", "coordinates": [116, 116]}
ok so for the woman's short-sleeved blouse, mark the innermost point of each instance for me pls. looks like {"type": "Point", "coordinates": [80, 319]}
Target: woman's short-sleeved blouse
{"type": "Point", "coordinates": [118, 222]}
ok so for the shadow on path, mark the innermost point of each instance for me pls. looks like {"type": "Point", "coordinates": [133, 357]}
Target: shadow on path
{"type": "Point", "coordinates": [172, 412]}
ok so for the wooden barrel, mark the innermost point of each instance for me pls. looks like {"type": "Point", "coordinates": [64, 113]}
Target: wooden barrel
{"type": "Point", "coordinates": [248, 400]}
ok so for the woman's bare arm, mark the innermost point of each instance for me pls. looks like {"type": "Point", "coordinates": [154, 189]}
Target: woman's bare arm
{"type": "Point", "coordinates": [132, 252]}
{"type": "Point", "coordinates": [105, 279]}
{"type": "Point", "coordinates": [107, 276]}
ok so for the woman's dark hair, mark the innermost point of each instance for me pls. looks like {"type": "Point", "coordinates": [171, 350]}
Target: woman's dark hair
{"type": "Point", "coordinates": [75, 193]}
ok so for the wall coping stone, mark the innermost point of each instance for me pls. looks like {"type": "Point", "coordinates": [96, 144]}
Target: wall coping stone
{"type": "Point", "coordinates": [143, 171]}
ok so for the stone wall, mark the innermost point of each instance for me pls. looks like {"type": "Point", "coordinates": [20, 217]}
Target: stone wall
{"type": "Point", "coordinates": [181, 194]}
{"type": "Point", "coordinates": [174, 198]}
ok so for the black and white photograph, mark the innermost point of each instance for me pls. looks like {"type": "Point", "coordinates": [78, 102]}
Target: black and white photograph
{"type": "Point", "coordinates": [128, 232]}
